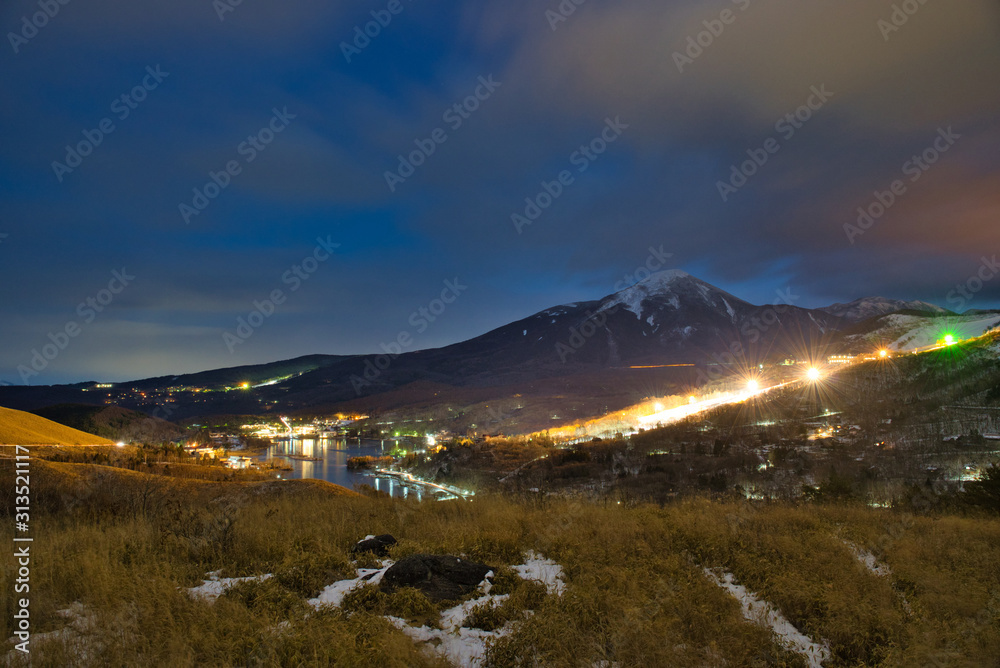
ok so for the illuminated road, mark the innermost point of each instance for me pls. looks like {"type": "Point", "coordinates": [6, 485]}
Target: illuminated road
{"type": "Point", "coordinates": [684, 410]}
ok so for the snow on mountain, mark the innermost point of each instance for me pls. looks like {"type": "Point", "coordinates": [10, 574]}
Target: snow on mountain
{"type": "Point", "coordinates": [903, 333]}
{"type": "Point", "coordinates": [872, 307]}
{"type": "Point", "coordinates": [674, 288]}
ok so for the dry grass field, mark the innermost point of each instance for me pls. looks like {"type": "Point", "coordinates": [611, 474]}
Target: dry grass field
{"type": "Point", "coordinates": [20, 428]}
{"type": "Point", "coordinates": [120, 548]}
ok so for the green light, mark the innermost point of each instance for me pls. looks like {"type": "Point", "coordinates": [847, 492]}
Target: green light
{"type": "Point", "coordinates": [949, 340]}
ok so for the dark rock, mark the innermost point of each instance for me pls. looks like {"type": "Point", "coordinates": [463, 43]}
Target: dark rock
{"type": "Point", "coordinates": [379, 545]}
{"type": "Point", "coordinates": [440, 577]}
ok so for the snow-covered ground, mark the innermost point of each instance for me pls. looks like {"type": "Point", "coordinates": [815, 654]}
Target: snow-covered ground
{"type": "Point", "coordinates": [81, 637]}
{"type": "Point", "coordinates": [869, 560]}
{"type": "Point", "coordinates": [546, 571]}
{"type": "Point", "coordinates": [214, 586]}
{"type": "Point", "coordinates": [763, 613]}
{"type": "Point", "coordinates": [459, 645]}
{"type": "Point", "coordinates": [462, 646]}
{"type": "Point", "coordinates": [909, 332]}
{"type": "Point", "coordinates": [334, 594]}
{"type": "Point", "coordinates": [876, 568]}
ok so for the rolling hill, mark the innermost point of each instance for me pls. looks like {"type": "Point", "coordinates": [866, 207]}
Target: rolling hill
{"type": "Point", "coordinates": [20, 428]}
{"type": "Point", "coordinates": [113, 422]}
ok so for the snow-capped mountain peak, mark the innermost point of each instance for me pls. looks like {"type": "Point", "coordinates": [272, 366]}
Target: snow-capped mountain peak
{"type": "Point", "coordinates": [672, 289]}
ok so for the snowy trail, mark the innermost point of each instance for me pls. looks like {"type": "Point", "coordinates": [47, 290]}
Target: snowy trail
{"type": "Point", "coordinates": [763, 613]}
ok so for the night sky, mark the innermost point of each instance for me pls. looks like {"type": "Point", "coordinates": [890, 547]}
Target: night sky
{"type": "Point", "coordinates": [308, 117]}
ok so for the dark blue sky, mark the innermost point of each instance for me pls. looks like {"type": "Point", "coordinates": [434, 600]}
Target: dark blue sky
{"type": "Point", "coordinates": [886, 92]}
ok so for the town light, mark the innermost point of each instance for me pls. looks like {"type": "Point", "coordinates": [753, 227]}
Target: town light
{"type": "Point", "coordinates": [753, 385]}
{"type": "Point", "coordinates": [883, 353]}
{"type": "Point", "coordinates": [813, 374]}
{"type": "Point", "coordinates": [949, 339]}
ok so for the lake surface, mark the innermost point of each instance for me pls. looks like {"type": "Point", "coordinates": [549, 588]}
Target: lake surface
{"type": "Point", "coordinates": [333, 454]}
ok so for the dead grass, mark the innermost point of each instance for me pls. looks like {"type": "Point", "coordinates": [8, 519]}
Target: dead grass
{"type": "Point", "coordinates": [125, 545]}
{"type": "Point", "coordinates": [20, 428]}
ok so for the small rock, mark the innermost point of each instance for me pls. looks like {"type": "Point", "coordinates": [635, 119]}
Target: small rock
{"type": "Point", "coordinates": [378, 545]}
{"type": "Point", "coordinates": [440, 577]}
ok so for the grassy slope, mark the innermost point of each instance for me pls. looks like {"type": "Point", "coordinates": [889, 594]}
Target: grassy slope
{"type": "Point", "coordinates": [20, 428]}
{"type": "Point", "coordinates": [124, 544]}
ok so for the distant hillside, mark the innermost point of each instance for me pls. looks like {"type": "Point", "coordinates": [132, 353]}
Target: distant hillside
{"type": "Point", "coordinates": [872, 307]}
{"type": "Point", "coordinates": [19, 428]}
{"type": "Point", "coordinates": [905, 331]}
{"type": "Point", "coordinates": [113, 422]}
{"type": "Point", "coordinates": [669, 332]}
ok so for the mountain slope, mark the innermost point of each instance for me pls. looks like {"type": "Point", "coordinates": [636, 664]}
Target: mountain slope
{"type": "Point", "coordinates": [113, 422]}
{"type": "Point", "coordinates": [20, 428]}
{"type": "Point", "coordinates": [609, 344]}
{"type": "Point", "coordinates": [871, 307]}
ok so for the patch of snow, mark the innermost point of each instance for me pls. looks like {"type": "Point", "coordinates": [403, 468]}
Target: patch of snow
{"type": "Point", "coordinates": [214, 586]}
{"type": "Point", "coordinates": [81, 637]}
{"type": "Point", "coordinates": [729, 310]}
{"type": "Point", "coordinates": [546, 571]}
{"type": "Point", "coordinates": [763, 613]}
{"type": "Point", "coordinates": [369, 536]}
{"type": "Point", "coordinates": [334, 594]}
{"type": "Point", "coordinates": [872, 564]}
{"type": "Point", "coordinates": [650, 320]}
{"type": "Point", "coordinates": [524, 333]}
{"type": "Point", "coordinates": [463, 647]}
{"type": "Point", "coordinates": [868, 560]}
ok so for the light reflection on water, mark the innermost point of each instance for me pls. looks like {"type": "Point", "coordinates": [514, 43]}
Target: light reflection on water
{"type": "Point", "coordinates": [333, 454]}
